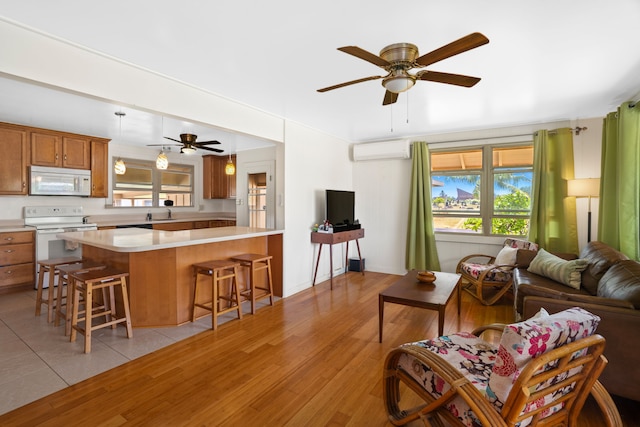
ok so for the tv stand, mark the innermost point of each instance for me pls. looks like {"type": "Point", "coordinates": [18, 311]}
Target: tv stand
{"type": "Point", "coordinates": [332, 239]}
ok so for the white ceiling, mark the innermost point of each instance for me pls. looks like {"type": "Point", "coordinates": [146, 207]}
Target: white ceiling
{"type": "Point", "coordinates": [547, 60]}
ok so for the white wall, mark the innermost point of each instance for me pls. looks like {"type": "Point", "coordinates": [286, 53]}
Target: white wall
{"type": "Point", "coordinates": [313, 163]}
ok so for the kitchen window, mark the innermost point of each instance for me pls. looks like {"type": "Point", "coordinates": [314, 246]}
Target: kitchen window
{"type": "Point", "coordinates": [482, 190]}
{"type": "Point", "coordinates": [143, 185]}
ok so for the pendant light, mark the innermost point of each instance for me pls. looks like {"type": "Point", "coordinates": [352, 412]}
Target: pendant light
{"type": "Point", "coordinates": [119, 167]}
{"type": "Point", "coordinates": [162, 161]}
{"type": "Point", "coordinates": [229, 169]}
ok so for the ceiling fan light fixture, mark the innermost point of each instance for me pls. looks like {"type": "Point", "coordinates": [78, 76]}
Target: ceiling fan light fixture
{"type": "Point", "coordinates": [399, 83]}
{"type": "Point", "coordinates": [119, 167]}
{"type": "Point", "coordinates": [187, 150]}
{"type": "Point", "coordinates": [230, 168]}
{"type": "Point", "coordinates": [162, 161]}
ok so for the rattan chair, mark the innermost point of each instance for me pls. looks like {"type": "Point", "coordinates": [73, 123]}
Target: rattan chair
{"type": "Point", "coordinates": [481, 273]}
{"type": "Point", "coordinates": [467, 381]}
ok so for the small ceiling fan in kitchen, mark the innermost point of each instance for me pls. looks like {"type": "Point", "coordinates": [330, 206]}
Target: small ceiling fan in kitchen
{"type": "Point", "coordinates": [188, 144]}
{"type": "Point", "coordinates": [404, 66]}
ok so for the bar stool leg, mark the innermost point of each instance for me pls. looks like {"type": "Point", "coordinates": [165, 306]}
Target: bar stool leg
{"type": "Point", "coordinates": [127, 313]}
{"type": "Point", "coordinates": [214, 300]}
{"type": "Point", "coordinates": [39, 291]}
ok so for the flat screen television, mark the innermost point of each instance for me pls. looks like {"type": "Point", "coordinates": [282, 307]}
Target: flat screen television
{"type": "Point", "coordinates": [341, 209]}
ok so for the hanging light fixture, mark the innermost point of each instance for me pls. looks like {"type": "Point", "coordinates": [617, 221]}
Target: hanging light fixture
{"type": "Point", "coordinates": [119, 167]}
{"type": "Point", "coordinates": [229, 169]}
{"type": "Point", "coordinates": [162, 161]}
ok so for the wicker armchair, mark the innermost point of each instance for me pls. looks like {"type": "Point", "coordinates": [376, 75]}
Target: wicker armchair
{"type": "Point", "coordinates": [482, 272]}
{"type": "Point", "coordinates": [540, 375]}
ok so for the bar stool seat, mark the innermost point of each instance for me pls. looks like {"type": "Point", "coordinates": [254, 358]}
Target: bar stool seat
{"type": "Point", "coordinates": [219, 271]}
{"type": "Point", "coordinates": [63, 309]}
{"type": "Point", "coordinates": [85, 283]}
{"type": "Point", "coordinates": [255, 263]}
{"type": "Point", "coordinates": [50, 266]}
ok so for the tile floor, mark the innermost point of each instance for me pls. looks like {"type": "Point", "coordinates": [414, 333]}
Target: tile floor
{"type": "Point", "coordinates": [37, 359]}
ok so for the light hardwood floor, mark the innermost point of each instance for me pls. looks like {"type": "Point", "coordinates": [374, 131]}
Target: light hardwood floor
{"type": "Point", "coordinates": [313, 359]}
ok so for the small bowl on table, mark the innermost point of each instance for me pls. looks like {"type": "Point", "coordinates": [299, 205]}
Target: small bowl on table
{"type": "Point", "coordinates": [426, 276]}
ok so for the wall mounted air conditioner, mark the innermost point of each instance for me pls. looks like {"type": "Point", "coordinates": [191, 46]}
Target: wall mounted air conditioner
{"type": "Point", "coordinates": [396, 149]}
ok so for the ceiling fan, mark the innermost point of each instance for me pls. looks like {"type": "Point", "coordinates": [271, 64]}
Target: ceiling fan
{"type": "Point", "coordinates": [188, 144]}
{"type": "Point", "coordinates": [400, 60]}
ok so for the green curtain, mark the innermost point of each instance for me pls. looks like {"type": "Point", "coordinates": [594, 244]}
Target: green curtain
{"type": "Point", "coordinates": [619, 208]}
{"type": "Point", "coordinates": [421, 241]}
{"type": "Point", "coordinates": [553, 215]}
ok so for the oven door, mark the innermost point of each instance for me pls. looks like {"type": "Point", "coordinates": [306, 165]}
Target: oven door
{"type": "Point", "coordinates": [48, 246]}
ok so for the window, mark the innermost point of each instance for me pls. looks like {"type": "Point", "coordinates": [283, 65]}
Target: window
{"type": "Point", "coordinates": [143, 185]}
{"type": "Point", "coordinates": [482, 190]}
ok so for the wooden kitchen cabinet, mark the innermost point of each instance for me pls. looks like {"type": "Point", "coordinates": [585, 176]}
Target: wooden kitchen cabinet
{"type": "Point", "coordinates": [99, 168]}
{"type": "Point", "coordinates": [173, 226]}
{"type": "Point", "coordinates": [216, 183]}
{"type": "Point", "coordinates": [56, 149]}
{"type": "Point", "coordinates": [14, 160]}
{"type": "Point", "coordinates": [222, 223]}
{"type": "Point", "coordinates": [17, 260]}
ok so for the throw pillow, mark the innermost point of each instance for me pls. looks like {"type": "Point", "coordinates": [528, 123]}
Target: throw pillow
{"type": "Point", "coordinates": [506, 256]}
{"type": "Point", "coordinates": [566, 272]}
{"type": "Point", "coordinates": [523, 341]}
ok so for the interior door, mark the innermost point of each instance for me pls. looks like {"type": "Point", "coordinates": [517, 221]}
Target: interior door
{"type": "Point", "coordinates": [260, 195]}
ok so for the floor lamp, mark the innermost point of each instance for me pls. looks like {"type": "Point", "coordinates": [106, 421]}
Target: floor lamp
{"type": "Point", "coordinates": [585, 187]}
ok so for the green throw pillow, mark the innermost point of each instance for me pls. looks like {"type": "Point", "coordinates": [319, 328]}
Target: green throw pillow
{"type": "Point", "coordinates": [566, 272]}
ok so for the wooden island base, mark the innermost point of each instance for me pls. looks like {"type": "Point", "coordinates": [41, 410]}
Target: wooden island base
{"type": "Point", "coordinates": [161, 280]}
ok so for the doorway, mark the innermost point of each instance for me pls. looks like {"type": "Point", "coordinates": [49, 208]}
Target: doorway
{"type": "Point", "coordinates": [260, 207]}
{"type": "Point", "coordinates": [257, 199]}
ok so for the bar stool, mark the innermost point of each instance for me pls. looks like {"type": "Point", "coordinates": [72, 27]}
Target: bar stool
{"type": "Point", "coordinates": [255, 263]}
{"type": "Point", "coordinates": [84, 284]}
{"type": "Point", "coordinates": [219, 270]}
{"type": "Point", "coordinates": [63, 281]}
{"type": "Point", "coordinates": [51, 266]}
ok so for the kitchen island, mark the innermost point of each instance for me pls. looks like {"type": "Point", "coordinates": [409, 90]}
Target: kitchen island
{"type": "Point", "coordinates": [159, 263]}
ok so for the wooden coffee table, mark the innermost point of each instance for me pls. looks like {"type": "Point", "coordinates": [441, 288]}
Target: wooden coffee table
{"type": "Point", "coordinates": [432, 296]}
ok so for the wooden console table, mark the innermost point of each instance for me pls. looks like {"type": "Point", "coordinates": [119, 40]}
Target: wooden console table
{"type": "Point", "coordinates": [332, 239]}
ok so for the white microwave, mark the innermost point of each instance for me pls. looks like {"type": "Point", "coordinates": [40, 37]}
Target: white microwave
{"type": "Point", "coordinates": [46, 181]}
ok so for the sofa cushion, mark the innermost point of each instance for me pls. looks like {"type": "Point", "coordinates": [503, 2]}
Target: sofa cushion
{"type": "Point", "coordinates": [558, 269]}
{"type": "Point", "coordinates": [601, 257]}
{"type": "Point", "coordinates": [506, 256]}
{"type": "Point", "coordinates": [622, 281]}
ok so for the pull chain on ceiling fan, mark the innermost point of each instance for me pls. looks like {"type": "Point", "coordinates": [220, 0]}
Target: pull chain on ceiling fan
{"type": "Point", "coordinates": [400, 60]}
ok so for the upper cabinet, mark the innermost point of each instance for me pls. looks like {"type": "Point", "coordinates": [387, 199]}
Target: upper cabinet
{"type": "Point", "coordinates": [99, 168]}
{"type": "Point", "coordinates": [216, 183]}
{"type": "Point", "coordinates": [23, 146]}
{"type": "Point", "coordinates": [14, 160]}
{"type": "Point", "coordinates": [59, 150]}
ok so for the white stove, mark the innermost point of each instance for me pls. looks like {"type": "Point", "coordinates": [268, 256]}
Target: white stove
{"type": "Point", "coordinates": [49, 221]}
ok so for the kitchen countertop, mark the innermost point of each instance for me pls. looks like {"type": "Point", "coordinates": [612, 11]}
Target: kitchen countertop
{"type": "Point", "coordinates": [115, 221]}
{"type": "Point", "coordinates": [140, 240]}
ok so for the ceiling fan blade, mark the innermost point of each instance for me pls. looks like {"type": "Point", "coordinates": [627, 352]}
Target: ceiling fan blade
{"type": "Point", "coordinates": [206, 143]}
{"type": "Point", "coordinates": [352, 82]}
{"type": "Point", "coordinates": [363, 54]}
{"type": "Point", "coordinates": [176, 140]}
{"type": "Point", "coordinates": [389, 98]}
{"type": "Point", "coordinates": [461, 45]}
{"type": "Point", "coordinates": [452, 79]}
{"type": "Point", "coordinates": [164, 145]}
{"type": "Point", "coordinates": [216, 150]}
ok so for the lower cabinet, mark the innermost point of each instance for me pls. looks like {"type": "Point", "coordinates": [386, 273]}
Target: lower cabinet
{"type": "Point", "coordinates": [17, 260]}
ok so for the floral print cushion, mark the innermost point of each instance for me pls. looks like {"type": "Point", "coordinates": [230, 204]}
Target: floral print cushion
{"type": "Point", "coordinates": [521, 342]}
{"type": "Point", "coordinates": [466, 352]}
{"type": "Point", "coordinates": [475, 270]}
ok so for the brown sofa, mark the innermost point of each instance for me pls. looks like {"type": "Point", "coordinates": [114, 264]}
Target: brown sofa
{"type": "Point", "coordinates": [610, 288]}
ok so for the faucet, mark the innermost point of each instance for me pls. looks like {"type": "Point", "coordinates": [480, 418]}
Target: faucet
{"type": "Point", "coordinates": [149, 217]}
{"type": "Point", "coordinates": [169, 217]}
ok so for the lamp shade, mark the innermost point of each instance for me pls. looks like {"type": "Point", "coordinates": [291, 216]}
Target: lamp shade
{"type": "Point", "coordinates": [229, 169]}
{"type": "Point", "coordinates": [585, 187]}
{"type": "Point", "coordinates": [398, 83]}
{"type": "Point", "coordinates": [162, 162]}
{"type": "Point", "coordinates": [119, 167]}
